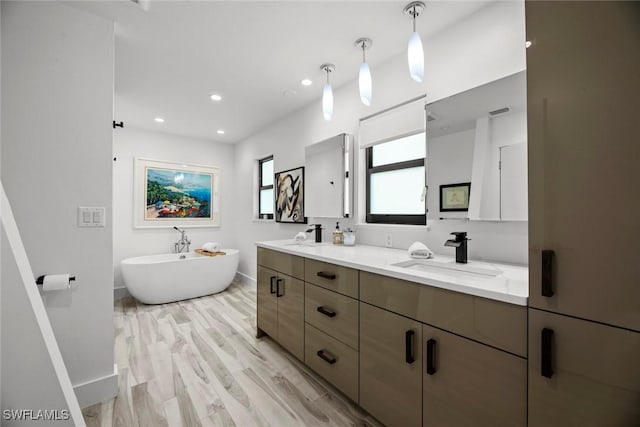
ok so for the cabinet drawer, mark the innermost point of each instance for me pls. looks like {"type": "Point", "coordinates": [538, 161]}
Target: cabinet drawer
{"type": "Point", "coordinates": [332, 313]}
{"type": "Point", "coordinates": [333, 277]}
{"type": "Point", "coordinates": [495, 323]}
{"type": "Point", "coordinates": [333, 360]}
{"type": "Point", "coordinates": [284, 263]}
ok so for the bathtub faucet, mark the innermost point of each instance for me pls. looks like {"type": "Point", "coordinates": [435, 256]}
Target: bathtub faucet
{"type": "Point", "coordinates": [183, 243]}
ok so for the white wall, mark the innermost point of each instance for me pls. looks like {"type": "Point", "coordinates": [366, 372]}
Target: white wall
{"type": "Point", "coordinates": [481, 48]}
{"type": "Point", "coordinates": [449, 161]}
{"type": "Point", "coordinates": [491, 134]}
{"type": "Point", "coordinates": [35, 376]}
{"type": "Point", "coordinates": [130, 143]}
{"type": "Point", "coordinates": [57, 106]}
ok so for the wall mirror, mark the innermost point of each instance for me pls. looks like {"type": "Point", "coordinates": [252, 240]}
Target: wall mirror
{"type": "Point", "coordinates": [328, 187]}
{"type": "Point", "coordinates": [480, 137]}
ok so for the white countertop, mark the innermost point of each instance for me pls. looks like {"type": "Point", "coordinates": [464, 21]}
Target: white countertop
{"type": "Point", "coordinates": [512, 286]}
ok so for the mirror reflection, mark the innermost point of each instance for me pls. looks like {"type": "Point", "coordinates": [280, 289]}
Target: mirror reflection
{"type": "Point", "coordinates": [479, 137]}
{"type": "Point", "coordinates": [327, 178]}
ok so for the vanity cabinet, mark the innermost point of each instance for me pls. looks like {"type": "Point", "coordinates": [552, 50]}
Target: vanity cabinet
{"type": "Point", "coordinates": [466, 383]}
{"type": "Point", "coordinates": [280, 300]}
{"type": "Point", "coordinates": [495, 323]}
{"type": "Point", "coordinates": [584, 316]}
{"type": "Point", "coordinates": [410, 354]}
{"type": "Point", "coordinates": [390, 367]}
{"type": "Point", "coordinates": [588, 217]}
{"type": "Point", "coordinates": [582, 373]}
{"type": "Point", "coordinates": [331, 324]}
{"type": "Point", "coordinates": [463, 375]}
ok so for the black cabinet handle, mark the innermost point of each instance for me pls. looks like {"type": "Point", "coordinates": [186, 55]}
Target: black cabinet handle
{"type": "Point", "coordinates": [326, 312]}
{"type": "Point", "coordinates": [547, 273]}
{"type": "Point", "coordinates": [271, 290]}
{"type": "Point", "coordinates": [326, 357]}
{"type": "Point", "coordinates": [408, 346]}
{"type": "Point", "coordinates": [546, 370]}
{"type": "Point", "coordinates": [431, 356]}
{"type": "Point", "coordinates": [324, 275]}
{"type": "Point", "coordinates": [278, 294]}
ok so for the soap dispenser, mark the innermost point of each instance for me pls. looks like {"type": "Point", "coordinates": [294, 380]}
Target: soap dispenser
{"type": "Point", "coordinates": [338, 235]}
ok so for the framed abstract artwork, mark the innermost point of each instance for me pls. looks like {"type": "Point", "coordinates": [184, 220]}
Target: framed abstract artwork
{"type": "Point", "coordinates": [168, 194]}
{"type": "Point", "coordinates": [454, 197]}
{"type": "Point", "coordinates": [290, 196]}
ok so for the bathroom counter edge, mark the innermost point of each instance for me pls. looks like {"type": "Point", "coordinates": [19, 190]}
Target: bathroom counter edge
{"type": "Point", "coordinates": [511, 287]}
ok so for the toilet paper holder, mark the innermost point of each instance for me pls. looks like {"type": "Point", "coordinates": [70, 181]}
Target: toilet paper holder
{"type": "Point", "coordinates": [40, 279]}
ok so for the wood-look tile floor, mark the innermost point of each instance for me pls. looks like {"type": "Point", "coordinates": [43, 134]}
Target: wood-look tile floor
{"type": "Point", "coordinates": [197, 363]}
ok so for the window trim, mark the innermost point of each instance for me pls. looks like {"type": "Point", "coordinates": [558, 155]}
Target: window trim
{"type": "Point", "coordinates": [263, 187]}
{"type": "Point", "coordinates": [408, 219]}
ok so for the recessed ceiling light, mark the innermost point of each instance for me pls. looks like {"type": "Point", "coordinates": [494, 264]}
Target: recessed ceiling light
{"type": "Point", "coordinates": [159, 119]}
{"type": "Point", "coordinates": [220, 132]}
{"type": "Point", "coordinates": [527, 44]}
{"type": "Point", "coordinates": [306, 82]}
{"type": "Point", "coordinates": [216, 97]}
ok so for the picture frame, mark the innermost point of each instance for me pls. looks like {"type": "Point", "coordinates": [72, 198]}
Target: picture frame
{"type": "Point", "coordinates": [171, 194]}
{"type": "Point", "coordinates": [455, 197]}
{"type": "Point", "coordinates": [289, 196]}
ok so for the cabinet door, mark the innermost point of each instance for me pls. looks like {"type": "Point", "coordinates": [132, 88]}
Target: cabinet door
{"type": "Point", "coordinates": [267, 303]}
{"type": "Point", "coordinates": [592, 373]}
{"type": "Point", "coordinates": [583, 173]}
{"type": "Point", "coordinates": [390, 367]}
{"type": "Point", "coordinates": [290, 296]}
{"type": "Point", "coordinates": [470, 384]}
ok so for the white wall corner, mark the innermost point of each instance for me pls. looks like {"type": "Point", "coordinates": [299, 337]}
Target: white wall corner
{"type": "Point", "coordinates": [245, 279]}
{"type": "Point", "coordinates": [97, 390]}
{"type": "Point", "coordinates": [120, 293]}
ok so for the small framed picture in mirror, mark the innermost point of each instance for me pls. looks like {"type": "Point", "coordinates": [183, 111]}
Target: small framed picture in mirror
{"type": "Point", "coordinates": [455, 197]}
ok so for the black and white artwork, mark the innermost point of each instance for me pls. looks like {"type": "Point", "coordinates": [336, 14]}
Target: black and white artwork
{"type": "Point", "coordinates": [290, 196]}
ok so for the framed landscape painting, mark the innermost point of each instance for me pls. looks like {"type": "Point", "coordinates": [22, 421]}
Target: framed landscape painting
{"type": "Point", "coordinates": [290, 196]}
{"type": "Point", "coordinates": [168, 194]}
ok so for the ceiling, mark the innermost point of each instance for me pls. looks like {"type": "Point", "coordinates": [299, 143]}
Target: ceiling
{"type": "Point", "coordinates": [460, 112]}
{"type": "Point", "coordinates": [171, 57]}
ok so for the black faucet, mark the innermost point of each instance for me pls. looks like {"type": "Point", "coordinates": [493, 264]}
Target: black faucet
{"type": "Point", "coordinates": [460, 243]}
{"type": "Point", "coordinates": [318, 229]}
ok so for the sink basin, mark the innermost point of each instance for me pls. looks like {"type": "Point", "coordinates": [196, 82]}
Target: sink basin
{"type": "Point", "coordinates": [450, 268]}
{"type": "Point", "coordinates": [302, 244]}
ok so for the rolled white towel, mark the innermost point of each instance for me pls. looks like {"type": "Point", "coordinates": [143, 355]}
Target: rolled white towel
{"type": "Point", "coordinates": [301, 236]}
{"type": "Point", "coordinates": [211, 247]}
{"type": "Point", "coordinates": [419, 250]}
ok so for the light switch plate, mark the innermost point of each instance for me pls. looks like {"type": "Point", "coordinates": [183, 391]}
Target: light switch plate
{"type": "Point", "coordinates": [91, 216]}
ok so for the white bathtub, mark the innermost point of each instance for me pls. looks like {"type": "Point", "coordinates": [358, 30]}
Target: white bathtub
{"type": "Point", "coordinates": [157, 279]}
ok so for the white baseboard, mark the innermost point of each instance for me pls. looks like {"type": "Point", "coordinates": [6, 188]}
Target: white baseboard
{"type": "Point", "coordinates": [243, 278]}
{"type": "Point", "coordinates": [97, 390]}
{"type": "Point", "coordinates": [119, 293]}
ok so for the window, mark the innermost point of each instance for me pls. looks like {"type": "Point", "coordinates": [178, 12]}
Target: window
{"type": "Point", "coordinates": [265, 190]}
{"type": "Point", "coordinates": [396, 181]}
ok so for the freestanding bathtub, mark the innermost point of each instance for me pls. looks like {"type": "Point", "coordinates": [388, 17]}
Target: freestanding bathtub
{"type": "Point", "coordinates": [158, 279]}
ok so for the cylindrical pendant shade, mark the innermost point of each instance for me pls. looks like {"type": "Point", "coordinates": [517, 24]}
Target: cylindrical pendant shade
{"type": "Point", "coordinates": [327, 102]}
{"type": "Point", "coordinates": [415, 54]}
{"type": "Point", "coordinates": [364, 82]}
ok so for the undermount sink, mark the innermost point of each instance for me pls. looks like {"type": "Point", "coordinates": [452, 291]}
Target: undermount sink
{"type": "Point", "coordinates": [303, 244]}
{"type": "Point", "coordinates": [451, 268]}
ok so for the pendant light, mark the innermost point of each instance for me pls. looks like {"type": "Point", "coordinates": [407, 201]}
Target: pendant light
{"type": "Point", "coordinates": [415, 52]}
{"type": "Point", "coordinates": [364, 77]}
{"type": "Point", "coordinates": [327, 93]}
